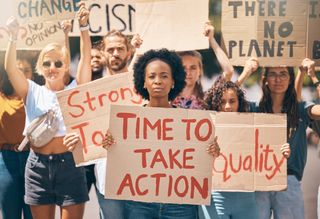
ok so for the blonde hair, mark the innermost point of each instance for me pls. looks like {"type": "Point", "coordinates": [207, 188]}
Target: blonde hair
{"type": "Point", "coordinates": [56, 47]}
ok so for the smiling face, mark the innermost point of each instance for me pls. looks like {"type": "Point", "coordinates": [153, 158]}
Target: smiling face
{"type": "Point", "coordinates": [229, 101]}
{"type": "Point", "coordinates": [53, 66]}
{"type": "Point", "coordinates": [158, 79]}
{"type": "Point", "coordinates": [278, 80]}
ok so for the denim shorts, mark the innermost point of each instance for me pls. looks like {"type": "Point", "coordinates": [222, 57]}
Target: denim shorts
{"type": "Point", "coordinates": [54, 179]}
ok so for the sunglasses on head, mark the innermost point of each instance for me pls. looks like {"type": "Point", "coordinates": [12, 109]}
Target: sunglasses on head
{"type": "Point", "coordinates": [57, 64]}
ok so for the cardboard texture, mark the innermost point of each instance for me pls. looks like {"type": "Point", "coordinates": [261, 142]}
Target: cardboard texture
{"type": "Point", "coordinates": [36, 11]}
{"type": "Point", "coordinates": [168, 24]}
{"type": "Point", "coordinates": [250, 153]}
{"type": "Point", "coordinates": [314, 31]}
{"type": "Point", "coordinates": [190, 166]}
{"type": "Point", "coordinates": [273, 31]}
{"type": "Point", "coordinates": [85, 110]}
{"type": "Point", "coordinates": [106, 15]}
{"type": "Point", "coordinates": [34, 34]}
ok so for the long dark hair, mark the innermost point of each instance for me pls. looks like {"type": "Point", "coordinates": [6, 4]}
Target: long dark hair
{"type": "Point", "coordinates": [213, 96]}
{"type": "Point", "coordinates": [290, 102]}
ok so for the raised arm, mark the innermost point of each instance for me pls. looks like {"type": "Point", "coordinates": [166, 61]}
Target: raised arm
{"type": "Point", "coordinates": [308, 66]}
{"type": "Point", "coordinates": [66, 26]}
{"type": "Point", "coordinates": [136, 42]}
{"type": "Point", "coordinates": [17, 78]}
{"type": "Point", "coordinates": [250, 67]}
{"type": "Point", "coordinates": [84, 68]}
{"type": "Point", "coordinates": [298, 82]}
{"type": "Point", "coordinates": [223, 60]}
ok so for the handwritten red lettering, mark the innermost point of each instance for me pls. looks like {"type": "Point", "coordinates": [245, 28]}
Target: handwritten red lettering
{"type": "Point", "coordinates": [125, 117]}
{"type": "Point", "coordinates": [74, 105]}
{"type": "Point", "coordinates": [234, 164]}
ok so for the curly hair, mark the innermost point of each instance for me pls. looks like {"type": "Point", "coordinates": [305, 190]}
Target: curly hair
{"type": "Point", "coordinates": [213, 97]}
{"type": "Point", "coordinates": [290, 102]}
{"type": "Point", "coordinates": [170, 58]}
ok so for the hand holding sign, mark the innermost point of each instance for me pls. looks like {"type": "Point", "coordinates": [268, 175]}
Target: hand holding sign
{"type": "Point", "coordinates": [208, 30]}
{"type": "Point", "coordinates": [83, 15]}
{"type": "Point", "coordinates": [108, 140]}
{"type": "Point", "coordinates": [308, 66]}
{"type": "Point", "coordinates": [13, 28]}
{"type": "Point", "coordinates": [214, 148]}
{"type": "Point", "coordinates": [71, 140]}
{"type": "Point", "coordinates": [285, 150]}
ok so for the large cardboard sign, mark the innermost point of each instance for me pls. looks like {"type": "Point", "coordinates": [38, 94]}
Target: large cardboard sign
{"type": "Point", "coordinates": [34, 35]}
{"type": "Point", "coordinates": [314, 31]}
{"type": "Point", "coordinates": [274, 31]}
{"type": "Point", "coordinates": [85, 110]}
{"type": "Point", "coordinates": [250, 152]}
{"type": "Point", "coordinates": [160, 156]}
{"type": "Point", "coordinates": [173, 24]}
{"type": "Point", "coordinates": [106, 15]}
{"type": "Point", "coordinates": [35, 11]}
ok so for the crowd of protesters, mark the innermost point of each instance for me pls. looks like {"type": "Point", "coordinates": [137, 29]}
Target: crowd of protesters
{"type": "Point", "coordinates": [36, 180]}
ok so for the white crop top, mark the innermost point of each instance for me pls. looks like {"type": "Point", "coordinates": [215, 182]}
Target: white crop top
{"type": "Point", "coordinates": [39, 100]}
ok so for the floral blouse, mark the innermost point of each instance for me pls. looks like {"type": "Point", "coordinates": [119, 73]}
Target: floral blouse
{"type": "Point", "coordinates": [191, 102]}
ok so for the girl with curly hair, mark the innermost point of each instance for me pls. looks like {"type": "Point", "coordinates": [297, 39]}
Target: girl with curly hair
{"type": "Point", "coordinates": [227, 96]}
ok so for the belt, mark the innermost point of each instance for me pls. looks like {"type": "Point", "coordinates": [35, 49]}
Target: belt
{"type": "Point", "coordinates": [13, 147]}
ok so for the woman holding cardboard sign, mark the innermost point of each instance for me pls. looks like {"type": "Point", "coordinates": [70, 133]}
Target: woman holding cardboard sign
{"type": "Point", "coordinates": [279, 96]}
{"type": "Point", "coordinates": [50, 170]}
{"type": "Point", "coordinates": [159, 77]}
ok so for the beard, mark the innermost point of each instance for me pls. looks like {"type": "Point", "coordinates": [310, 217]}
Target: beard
{"type": "Point", "coordinates": [119, 66]}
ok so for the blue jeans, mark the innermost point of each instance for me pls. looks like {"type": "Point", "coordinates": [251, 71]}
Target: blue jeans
{"type": "Point", "coordinates": [284, 205]}
{"type": "Point", "coordinates": [142, 210]}
{"type": "Point", "coordinates": [235, 205]}
{"type": "Point", "coordinates": [110, 208]}
{"type": "Point", "coordinates": [319, 202]}
{"type": "Point", "coordinates": [12, 166]}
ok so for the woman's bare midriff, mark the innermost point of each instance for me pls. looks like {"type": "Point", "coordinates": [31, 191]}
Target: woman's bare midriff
{"type": "Point", "coordinates": [55, 146]}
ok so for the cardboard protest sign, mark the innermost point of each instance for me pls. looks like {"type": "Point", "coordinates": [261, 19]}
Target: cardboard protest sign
{"type": "Point", "coordinates": [274, 31]}
{"type": "Point", "coordinates": [250, 152]}
{"type": "Point", "coordinates": [160, 155]}
{"type": "Point", "coordinates": [173, 24]}
{"type": "Point", "coordinates": [139, 163]}
{"type": "Point", "coordinates": [314, 31]}
{"type": "Point", "coordinates": [106, 15]}
{"type": "Point", "coordinates": [36, 11]}
{"type": "Point", "coordinates": [85, 110]}
{"type": "Point", "coordinates": [31, 36]}
{"type": "Point", "coordinates": [34, 36]}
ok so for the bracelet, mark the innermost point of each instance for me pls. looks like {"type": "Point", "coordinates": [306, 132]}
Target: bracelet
{"type": "Point", "coordinates": [84, 28]}
{"type": "Point", "coordinates": [316, 84]}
